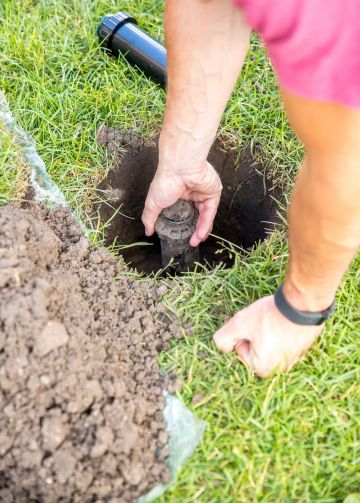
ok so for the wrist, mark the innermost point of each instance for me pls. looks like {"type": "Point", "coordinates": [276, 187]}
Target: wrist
{"type": "Point", "coordinates": [307, 297]}
{"type": "Point", "coordinates": [181, 152]}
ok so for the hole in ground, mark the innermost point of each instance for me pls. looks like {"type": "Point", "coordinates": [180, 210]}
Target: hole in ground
{"type": "Point", "coordinates": [247, 211]}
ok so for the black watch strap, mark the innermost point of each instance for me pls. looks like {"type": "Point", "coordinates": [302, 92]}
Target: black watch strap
{"type": "Point", "coordinates": [301, 317]}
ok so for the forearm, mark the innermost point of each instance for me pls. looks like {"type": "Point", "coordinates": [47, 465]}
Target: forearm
{"type": "Point", "coordinates": [206, 42]}
{"type": "Point", "coordinates": [324, 228]}
{"type": "Point", "coordinates": [324, 217]}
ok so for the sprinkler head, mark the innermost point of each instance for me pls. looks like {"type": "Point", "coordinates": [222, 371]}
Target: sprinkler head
{"type": "Point", "coordinates": [175, 226]}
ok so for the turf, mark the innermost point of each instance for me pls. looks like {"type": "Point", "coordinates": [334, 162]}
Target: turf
{"type": "Point", "coordinates": [292, 437]}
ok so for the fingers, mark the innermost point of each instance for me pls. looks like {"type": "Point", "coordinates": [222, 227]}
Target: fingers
{"type": "Point", "coordinates": [203, 188]}
{"type": "Point", "coordinates": [207, 212]}
{"type": "Point", "coordinates": [150, 215]}
{"type": "Point", "coordinates": [231, 334]}
{"type": "Point", "coordinates": [244, 333]}
{"type": "Point", "coordinates": [246, 354]}
{"type": "Point", "coordinates": [264, 340]}
{"type": "Point", "coordinates": [165, 190]}
{"type": "Point", "coordinates": [244, 351]}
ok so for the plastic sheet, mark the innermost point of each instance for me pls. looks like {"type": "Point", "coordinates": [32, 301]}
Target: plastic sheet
{"type": "Point", "coordinates": [46, 190]}
{"type": "Point", "coordinates": [185, 430]}
{"type": "Point", "coordinates": [185, 433]}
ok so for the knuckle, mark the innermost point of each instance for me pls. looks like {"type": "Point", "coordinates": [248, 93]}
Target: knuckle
{"type": "Point", "coordinates": [238, 318]}
{"type": "Point", "coordinates": [262, 369]}
{"type": "Point", "coordinates": [220, 344]}
{"type": "Point", "coordinates": [262, 373]}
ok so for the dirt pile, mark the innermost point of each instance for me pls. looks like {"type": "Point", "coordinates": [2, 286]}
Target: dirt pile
{"type": "Point", "coordinates": [80, 389]}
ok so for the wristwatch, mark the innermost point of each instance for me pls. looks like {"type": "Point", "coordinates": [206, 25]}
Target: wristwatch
{"type": "Point", "coordinates": [301, 317]}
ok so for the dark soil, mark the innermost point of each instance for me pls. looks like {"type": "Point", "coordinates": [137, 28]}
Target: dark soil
{"type": "Point", "coordinates": [247, 211]}
{"type": "Point", "coordinates": [80, 389]}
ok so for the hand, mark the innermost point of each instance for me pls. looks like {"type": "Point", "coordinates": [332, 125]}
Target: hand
{"type": "Point", "coordinates": [264, 339]}
{"type": "Point", "coordinates": [201, 185]}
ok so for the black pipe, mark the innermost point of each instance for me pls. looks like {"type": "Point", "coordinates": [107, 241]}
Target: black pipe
{"type": "Point", "coordinates": [119, 34]}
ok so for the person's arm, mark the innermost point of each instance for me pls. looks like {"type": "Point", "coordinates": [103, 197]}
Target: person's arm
{"type": "Point", "coordinates": [206, 42]}
{"type": "Point", "coordinates": [324, 217]}
{"type": "Point", "coordinates": [324, 235]}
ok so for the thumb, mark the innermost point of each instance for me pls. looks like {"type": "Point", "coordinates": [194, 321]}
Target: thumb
{"type": "Point", "coordinates": [150, 214]}
{"type": "Point", "coordinates": [228, 336]}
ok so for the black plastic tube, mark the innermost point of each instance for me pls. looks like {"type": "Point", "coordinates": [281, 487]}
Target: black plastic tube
{"type": "Point", "coordinates": [119, 34]}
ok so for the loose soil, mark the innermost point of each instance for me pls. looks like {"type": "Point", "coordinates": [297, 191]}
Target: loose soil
{"type": "Point", "coordinates": [81, 394]}
{"type": "Point", "coordinates": [248, 209]}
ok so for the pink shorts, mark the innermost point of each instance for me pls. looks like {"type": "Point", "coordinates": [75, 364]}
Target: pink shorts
{"type": "Point", "coordinates": [314, 45]}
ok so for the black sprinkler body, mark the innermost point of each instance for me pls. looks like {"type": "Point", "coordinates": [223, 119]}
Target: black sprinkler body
{"type": "Point", "coordinates": [175, 226]}
{"type": "Point", "coordinates": [119, 34]}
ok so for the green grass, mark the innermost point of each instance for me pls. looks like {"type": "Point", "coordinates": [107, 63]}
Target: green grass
{"type": "Point", "coordinates": [292, 437]}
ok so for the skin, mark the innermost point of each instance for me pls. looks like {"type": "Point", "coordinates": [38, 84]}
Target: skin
{"type": "Point", "coordinates": [205, 58]}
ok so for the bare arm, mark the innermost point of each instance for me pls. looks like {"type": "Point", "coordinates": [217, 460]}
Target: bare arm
{"type": "Point", "coordinates": [324, 235]}
{"type": "Point", "coordinates": [207, 41]}
{"type": "Point", "coordinates": [324, 218]}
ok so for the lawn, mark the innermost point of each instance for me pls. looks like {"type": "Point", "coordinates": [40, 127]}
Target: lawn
{"type": "Point", "coordinates": [292, 437]}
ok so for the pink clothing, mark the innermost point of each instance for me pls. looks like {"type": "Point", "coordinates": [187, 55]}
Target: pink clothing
{"type": "Point", "coordinates": [314, 45]}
